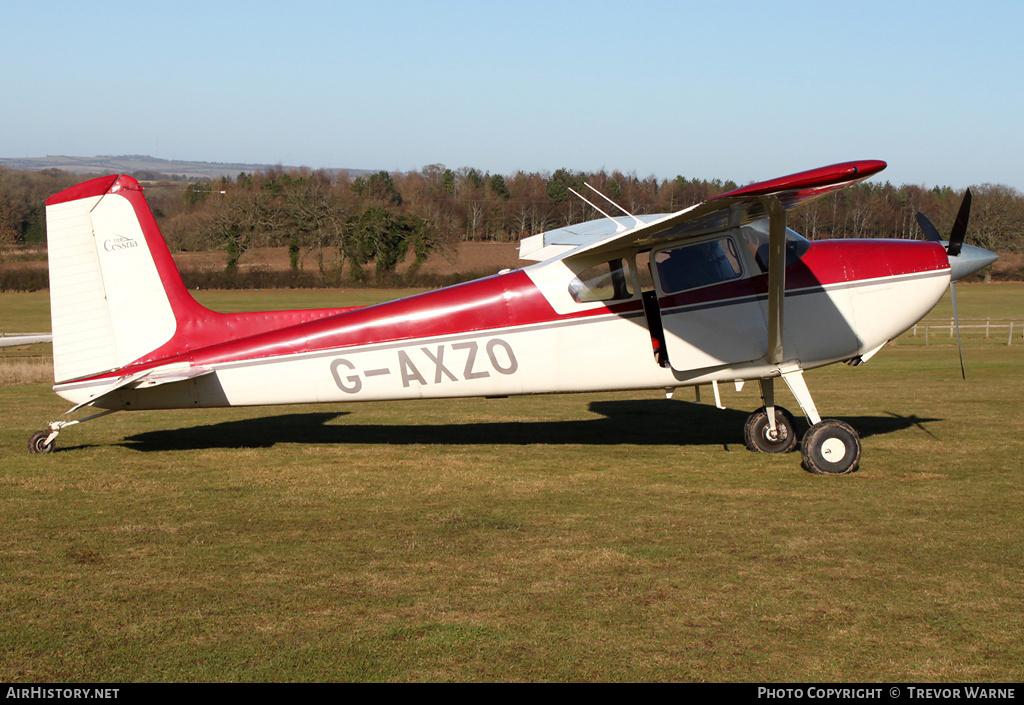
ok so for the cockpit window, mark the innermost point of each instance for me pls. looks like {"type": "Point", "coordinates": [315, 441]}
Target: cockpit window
{"type": "Point", "coordinates": [608, 281]}
{"type": "Point", "coordinates": [756, 240]}
{"type": "Point", "coordinates": [700, 264]}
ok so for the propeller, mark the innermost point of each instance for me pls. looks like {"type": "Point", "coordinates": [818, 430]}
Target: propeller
{"type": "Point", "coordinates": [954, 247]}
{"type": "Point", "coordinates": [959, 231]}
{"type": "Point", "coordinates": [956, 236]}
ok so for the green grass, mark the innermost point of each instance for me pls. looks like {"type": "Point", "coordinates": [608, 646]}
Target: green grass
{"type": "Point", "coordinates": [1004, 300]}
{"type": "Point", "coordinates": [24, 312]}
{"type": "Point", "coordinates": [617, 537]}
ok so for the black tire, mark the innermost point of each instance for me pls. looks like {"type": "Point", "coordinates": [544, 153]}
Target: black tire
{"type": "Point", "coordinates": [757, 436]}
{"type": "Point", "coordinates": [37, 443]}
{"type": "Point", "coordinates": [830, 447]}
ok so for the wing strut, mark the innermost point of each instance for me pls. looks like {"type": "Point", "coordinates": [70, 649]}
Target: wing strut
{"type": "Point", "coordinates": [776, 275]}
{"type": "Point", "coordinates": [776, 296]}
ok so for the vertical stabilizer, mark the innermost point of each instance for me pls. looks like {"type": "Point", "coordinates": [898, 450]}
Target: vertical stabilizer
{"type": "Point", "coordinates": [108, 303]}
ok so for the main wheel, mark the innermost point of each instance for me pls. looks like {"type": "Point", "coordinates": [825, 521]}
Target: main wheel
{"type": "Point", "coordinates": [37, 443]}
{"type": "Point", "coordinates": [830, 447]}
{"type": "Point", "coordinates": [758, 436]}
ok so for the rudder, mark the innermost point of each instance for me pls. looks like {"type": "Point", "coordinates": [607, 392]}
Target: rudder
{"type": "Point", "coordinates": [109, 302]}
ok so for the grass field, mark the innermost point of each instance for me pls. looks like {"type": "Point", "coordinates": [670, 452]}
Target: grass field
{"type": "Point", "coordinates": [612, 537]}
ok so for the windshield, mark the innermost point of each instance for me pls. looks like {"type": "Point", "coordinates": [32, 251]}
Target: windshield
{"type": "Point", "coordinates": [755, 238]}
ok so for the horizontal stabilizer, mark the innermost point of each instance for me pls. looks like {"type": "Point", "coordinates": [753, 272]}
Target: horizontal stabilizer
{"type": "Point", "coordinates": [171, 373]}
{"type": "Point", "coordinates": [146, 378]}
{"type": "Point", "coordinates": [8, 340]}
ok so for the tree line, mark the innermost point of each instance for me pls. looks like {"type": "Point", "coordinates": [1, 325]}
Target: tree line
{"type": "Point", "coordinates": [346, 226]}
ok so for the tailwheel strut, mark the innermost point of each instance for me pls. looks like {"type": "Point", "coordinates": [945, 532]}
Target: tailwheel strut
{"type": "Point", "coordinates": [45, 441]}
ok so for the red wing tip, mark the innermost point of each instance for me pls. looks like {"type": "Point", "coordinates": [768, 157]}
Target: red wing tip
{"type": "Point", "coordinates": [95, 187]}
{"type": "Point", "coordinates": [823, 176]}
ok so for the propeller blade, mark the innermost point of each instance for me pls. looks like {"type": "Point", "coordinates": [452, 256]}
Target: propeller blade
{"type": "Point", "coordinates": [956, 236]}
{"type": "Point", "coordinates": [931, 233]}
{"type": "Point", "coordinates": [956, 322]}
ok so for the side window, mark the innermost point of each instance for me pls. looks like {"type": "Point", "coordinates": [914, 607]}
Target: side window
{"type": "Point", "coordinates": [608, 281]}
{"type": "Point", "coordinates": [701, 264]}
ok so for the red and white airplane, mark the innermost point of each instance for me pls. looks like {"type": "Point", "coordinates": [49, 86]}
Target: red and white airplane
{"type": "Point", "coordinates": [719, 292]}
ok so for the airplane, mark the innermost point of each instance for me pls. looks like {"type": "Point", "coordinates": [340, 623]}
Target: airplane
{"type": "Point", "coordinates": [722, 291]}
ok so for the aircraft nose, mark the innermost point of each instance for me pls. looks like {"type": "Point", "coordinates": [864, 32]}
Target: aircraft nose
{"type": "Point", "coordinates": [969, 261]}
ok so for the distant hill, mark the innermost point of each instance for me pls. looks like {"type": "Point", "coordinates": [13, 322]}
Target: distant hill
{"type": "Point", "coordinates": [143, 166]}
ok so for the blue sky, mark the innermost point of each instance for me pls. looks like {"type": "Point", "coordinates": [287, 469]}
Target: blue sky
{"type": "Point", "coordinates": [739, 90]}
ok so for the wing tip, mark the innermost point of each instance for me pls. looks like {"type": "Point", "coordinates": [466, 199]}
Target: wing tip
{"type": "Point", "coordinates": [813, 178]}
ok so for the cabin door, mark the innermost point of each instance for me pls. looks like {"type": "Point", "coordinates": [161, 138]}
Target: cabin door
{"type": "Point", "coordinates": [710, 312]}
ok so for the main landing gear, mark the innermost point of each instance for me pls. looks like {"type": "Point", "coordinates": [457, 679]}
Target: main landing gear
{"type": "Point", "coordinates": [760, 437]}
{"type": "Point", "coordinates": [829, 447]}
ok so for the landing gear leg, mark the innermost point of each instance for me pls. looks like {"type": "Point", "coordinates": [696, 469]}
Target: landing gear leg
{"type": "Point", "coordinates": [830, 446]}
{"type": "Point", "coordinates": [770, 429]}
{"type": "Point", "coordinates": [45, 441]}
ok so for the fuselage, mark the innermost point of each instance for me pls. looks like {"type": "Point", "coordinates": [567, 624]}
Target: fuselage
{"type": "Point", "coordinates": [529, 331]}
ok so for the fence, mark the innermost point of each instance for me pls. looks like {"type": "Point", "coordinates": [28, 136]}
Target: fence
{"type": "Point", "coordinates": [999, 328]}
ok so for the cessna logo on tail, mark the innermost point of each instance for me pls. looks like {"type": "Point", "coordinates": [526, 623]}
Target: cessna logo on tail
{"type": "Point", "coordinates": [119, 242]}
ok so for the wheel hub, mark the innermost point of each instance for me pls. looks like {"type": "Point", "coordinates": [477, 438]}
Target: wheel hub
{"type": "Point", "coordinates": [833, 450]}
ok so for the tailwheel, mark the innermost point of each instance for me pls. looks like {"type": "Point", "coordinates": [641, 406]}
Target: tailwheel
{"type": "Point", "coordinates": [37, 442]}
{"type": "Point", "coordinates": [759, 437]}
{"type": "Point", "coordinates": [830, 447]}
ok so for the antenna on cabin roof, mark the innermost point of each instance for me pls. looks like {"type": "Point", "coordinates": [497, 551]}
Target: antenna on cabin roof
{"type": "Point", "coordinates": [619, 227]}
{"type": "Point", "coordinates": [635, 219]}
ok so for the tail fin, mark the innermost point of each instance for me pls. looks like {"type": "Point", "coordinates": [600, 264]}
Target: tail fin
{"type": "Point", "coordinates": [116, 297]}
{"type": "Point", "coordinates": [115, 293]}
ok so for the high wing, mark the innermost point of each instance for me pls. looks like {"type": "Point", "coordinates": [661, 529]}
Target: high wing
{"type": "Point", "coordinates": [734, 208]}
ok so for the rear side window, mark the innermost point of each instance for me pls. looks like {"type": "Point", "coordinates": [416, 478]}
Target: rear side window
{"type": "Point", "coordinates": [608, 281]}
{"type": "Point", "coordinates": [697, 265]}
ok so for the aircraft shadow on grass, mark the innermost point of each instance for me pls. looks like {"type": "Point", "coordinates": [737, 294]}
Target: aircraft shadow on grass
{"type": "Point", "coordinates": [638, 422]}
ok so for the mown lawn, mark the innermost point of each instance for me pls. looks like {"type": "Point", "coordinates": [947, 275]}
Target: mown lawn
{"type": "Point", "coordinates": [617, 537]}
